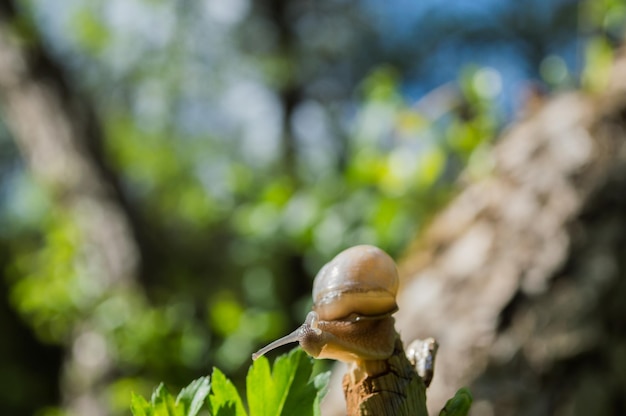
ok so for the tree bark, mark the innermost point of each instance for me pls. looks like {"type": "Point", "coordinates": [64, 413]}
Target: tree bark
{"type": "Point", "coordinates": [60, 138]}
{"type": "Point", "coordinates": [397, 391]}
{"type": "Point", "coordinates": [519, 277]}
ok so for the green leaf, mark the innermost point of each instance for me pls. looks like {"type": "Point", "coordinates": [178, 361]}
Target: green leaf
{"type": "Point", "coordinates": [192, 397]}
{"type": "Point", "coordinates": [162, 403]}
{"type": "Point", "coordinates": [321, 385]}
{"type": "Point", "coordinates": [459, 405]}
{"type": "Point", "coordinates": [224, 400]}
{"type": "Point", "coordinates": [289, 390]}
{"type": "Point", "coordinates": [140, 406]}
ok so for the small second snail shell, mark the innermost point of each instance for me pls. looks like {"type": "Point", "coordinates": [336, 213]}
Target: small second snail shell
{"type": "Point", "coordinates": [354, 297]}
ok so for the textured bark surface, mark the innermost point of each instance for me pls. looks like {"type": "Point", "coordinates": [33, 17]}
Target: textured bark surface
{"type": "Point", "coordinates": [397, 391]}
{"type": "Point", "coordinates": [522, 278]}
{"type": "Point", "coordinates": [519, 278]}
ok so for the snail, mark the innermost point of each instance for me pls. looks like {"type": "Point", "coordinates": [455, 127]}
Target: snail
{"type": "Point", "coordinates": [354, 297]}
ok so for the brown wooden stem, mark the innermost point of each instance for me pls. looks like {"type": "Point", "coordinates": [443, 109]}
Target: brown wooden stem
{"type": "Point", "coordinates": [386, 387]}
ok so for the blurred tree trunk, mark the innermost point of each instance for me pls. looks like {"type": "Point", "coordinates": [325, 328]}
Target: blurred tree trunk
{"type": "Point", "coordinates": [60, 140]}
{"type": "Point", "coordinates": [522, 278]}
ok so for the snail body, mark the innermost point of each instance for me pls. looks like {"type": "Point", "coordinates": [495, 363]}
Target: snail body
{"type": "Point", "coordinates": [354, 298]}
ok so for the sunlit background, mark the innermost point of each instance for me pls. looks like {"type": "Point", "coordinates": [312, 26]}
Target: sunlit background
{"type": "Point", "coordinates": [253, 141]}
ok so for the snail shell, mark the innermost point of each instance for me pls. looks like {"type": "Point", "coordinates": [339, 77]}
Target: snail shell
{"type": "Point", "coordinates": [359, 281]}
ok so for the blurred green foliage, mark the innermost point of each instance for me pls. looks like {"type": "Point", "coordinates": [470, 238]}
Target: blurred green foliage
{"type": "Point", "coordinates": [196, 103]}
